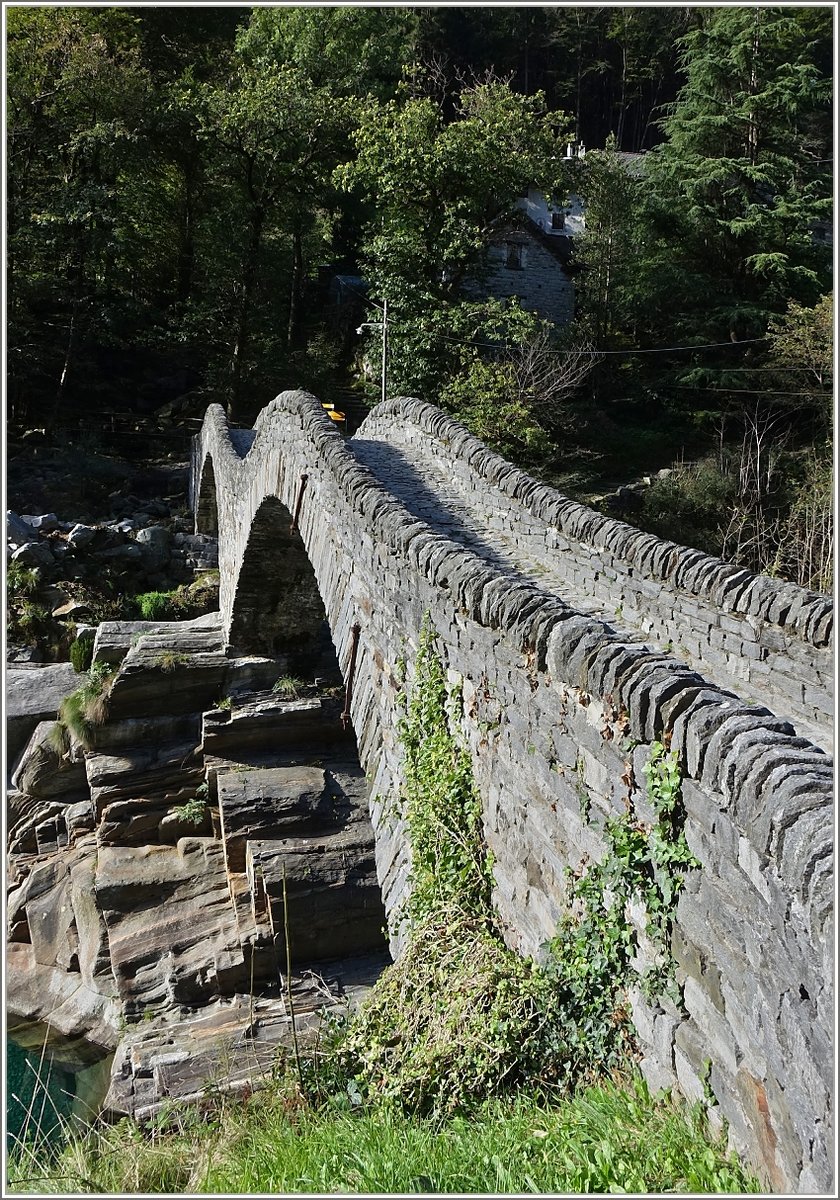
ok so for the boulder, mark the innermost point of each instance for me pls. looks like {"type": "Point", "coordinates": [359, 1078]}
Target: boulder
{"type": "Point", "coordinates": [72, 608]}
{"type": "Point", "coordinates": [324, 888]}
{"type": "Point", "coordinates": [33, 694]}
{"type": "Point", "coordinates": [157, 771]}
{"type": "Point", "coordinates": [155, 508]}
{"type": "Point", "coordinates": [18, 531]}
{"type": "Point", "coordinates": [154, 541]}
{"type": "Point", "coordinates": [80, 536]}
{"type": "Point", "coordinates": [33, 554]}
{"type": "Point", "coordinates": [41, 1000]}
{"type": "Point", "coordinates": [130, 552]}
{"type": "Point", "coordinates": [44, 523]}
{"type": "Point", "coordinates": [183, 667]}
{"type": "Point", "coordinates": [266, 722]}
{"type": "Point", "coordinates": [270, 803]}
{"type": "Point", "coordinates": [45, 772]}
{"type": "Point", "coordinates": [172, 931]}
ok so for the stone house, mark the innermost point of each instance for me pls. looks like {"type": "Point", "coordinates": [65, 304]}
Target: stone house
{"type": "Point", "coordinates": [534, 264]}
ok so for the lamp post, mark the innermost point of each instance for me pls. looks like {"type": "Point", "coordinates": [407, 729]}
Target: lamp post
{"type": "Point", "coordinates": [383, 325]}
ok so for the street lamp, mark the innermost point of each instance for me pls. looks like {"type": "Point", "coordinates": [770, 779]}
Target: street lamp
{"type": "Point", "coordinates": [383, 325]}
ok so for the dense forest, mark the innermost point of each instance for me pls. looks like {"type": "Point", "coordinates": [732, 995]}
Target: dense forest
{"type": "Point", "coordinates": [184, 183]}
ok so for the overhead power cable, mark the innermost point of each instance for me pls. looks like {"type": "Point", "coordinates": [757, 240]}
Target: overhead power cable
{"type": "Point", "coordinates": [591, 353]}
{"type": "Point", "coordinates": [598, 353]}
{"type": "Point", "coordinates": [684, 387]}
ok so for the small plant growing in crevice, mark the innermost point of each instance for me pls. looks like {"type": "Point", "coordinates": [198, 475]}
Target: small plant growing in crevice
{"type": "Point", "coordinates": [225, 703]}
{"type": "Point", "coordinates": [193, 811]}
{"type": "Point", "coordinates": [81, 651]}
{"type": "Point", "coordinates": [84, 710]}
{"type": "Point", "coordinates": [288, 687]}
{"type": "Point", "coordinates": [170, 660]}
{"type": "Point", "coordinates": [58, 739]}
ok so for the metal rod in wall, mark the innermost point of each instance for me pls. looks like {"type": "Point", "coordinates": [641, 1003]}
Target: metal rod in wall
{"type": "Point", "coordinates": [298, 502]}
{"type": "Point", "coordinates": [351, 671]}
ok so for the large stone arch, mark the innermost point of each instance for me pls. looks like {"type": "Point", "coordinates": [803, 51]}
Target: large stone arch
{"type": "Point", "coordinates": [556, 703]}
{"type": "Point", "coordinates": [277, 608]}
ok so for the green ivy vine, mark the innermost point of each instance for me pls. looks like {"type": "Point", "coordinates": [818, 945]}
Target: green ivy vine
{"type": "Point", "coordinates": [461, 1017]}
{"type": "Point", "coordinates": [592, 955]}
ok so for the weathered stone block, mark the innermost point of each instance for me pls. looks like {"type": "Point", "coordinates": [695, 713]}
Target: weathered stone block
{"type": "Point", "coordinates": [266, 804]}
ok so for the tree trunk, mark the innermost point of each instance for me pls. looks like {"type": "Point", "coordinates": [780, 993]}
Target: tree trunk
{"type": "Point", "coordinates": [186, 252]}
{"type": "Point", "coordinates": [293, 334]}
{"type": "Point", "coordinates": [243, 329]}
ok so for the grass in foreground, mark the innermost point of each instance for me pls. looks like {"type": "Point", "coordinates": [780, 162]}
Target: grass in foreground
{"type": "Point", "coordinates": [609, 1138]}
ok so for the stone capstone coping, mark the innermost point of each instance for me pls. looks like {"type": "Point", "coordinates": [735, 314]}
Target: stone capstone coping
{"type": "Point", "coordinates": [731, 589]}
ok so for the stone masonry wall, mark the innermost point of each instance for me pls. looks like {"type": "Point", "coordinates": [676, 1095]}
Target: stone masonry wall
{"type": "Point", "coordinates": [551, 696]}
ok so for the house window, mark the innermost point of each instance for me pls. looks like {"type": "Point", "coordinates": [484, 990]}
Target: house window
{"type": "Point", "coordinates": [558, 220]}
{"type": "Point", "coordinates": [515, 257]}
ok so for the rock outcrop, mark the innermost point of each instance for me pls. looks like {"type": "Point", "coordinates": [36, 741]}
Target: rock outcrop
{"type": "Point", "coordinates": [155, 871]}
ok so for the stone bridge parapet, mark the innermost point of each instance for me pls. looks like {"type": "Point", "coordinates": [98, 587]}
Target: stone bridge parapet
{"type": "Point", "coordinates": [562, 702]}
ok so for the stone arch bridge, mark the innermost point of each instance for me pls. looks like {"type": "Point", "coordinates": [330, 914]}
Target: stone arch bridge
{"type": "Point", "coordinates": [578, 641]}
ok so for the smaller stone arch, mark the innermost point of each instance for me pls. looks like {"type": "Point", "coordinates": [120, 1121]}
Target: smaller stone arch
{"type": "Point", "coordinates": [277, 607]}
{"type": "Point", "coordinates": [206, 507]}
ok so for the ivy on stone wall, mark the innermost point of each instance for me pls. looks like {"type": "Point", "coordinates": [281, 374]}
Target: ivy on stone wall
{"type": "Point", "coordinates": [595, 955]}
{"type": "Point", "coordinates": [460, 1016]}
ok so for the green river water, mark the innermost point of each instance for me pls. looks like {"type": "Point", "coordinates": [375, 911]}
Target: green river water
{"type": "Point", "coordinates": [44, 1096]}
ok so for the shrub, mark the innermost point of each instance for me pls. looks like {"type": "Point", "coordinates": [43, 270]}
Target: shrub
{"type": "Point", "coordinates": [85, 709]}
{"type": "Point", "coordinates": [81, 651]}
{"type": "Point", "coordinates": [157, 606]}
{"type": "Point", "coordinates": [21, 581]}
{"type": "Point", "coordinates": [691, 506]}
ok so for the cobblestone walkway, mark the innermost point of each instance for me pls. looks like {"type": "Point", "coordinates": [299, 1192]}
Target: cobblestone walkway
{"type": "Point", "coordinates": [421, 483]}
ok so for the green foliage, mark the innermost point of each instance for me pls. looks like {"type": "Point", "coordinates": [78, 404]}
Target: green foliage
{"type": "Point", "coordinates": [607, 1139]}
{"type": "Point", "coordinates": [805, 553]}
{"type": "Point", "coordinates": [289, 687]}
{"type": "Point", "coordinates": [485, 397]}
{"type": "Point", "coordinates": [81, 651]}
{"type": "Point", "coordinates": [691, 506]}
{"type": "Point", "coordinates": [441, 188]}
{"type": "Point", "coordinates": [590, 958]}
{"type": "Point", "coordinates": [194, 811]}
{"type": "Point", "coordinates": [158, 606]}
{"type": "Point", "coordinates": [459, 1017]}
{"type": "Point", "coordinates": [442, 807]}
{"type": "Point", "coordinates": [606, 295]}
{"type": "Point", "coordinates": [21, 581]}
{"type": "Point", "coordinates": [737, 191]}
{"type": "Point", "coordinates": [58, 738]}
{"type": "Point", "coordinates": [87, 708]}
{"type": "Point", "coordinates": [28, 618]}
